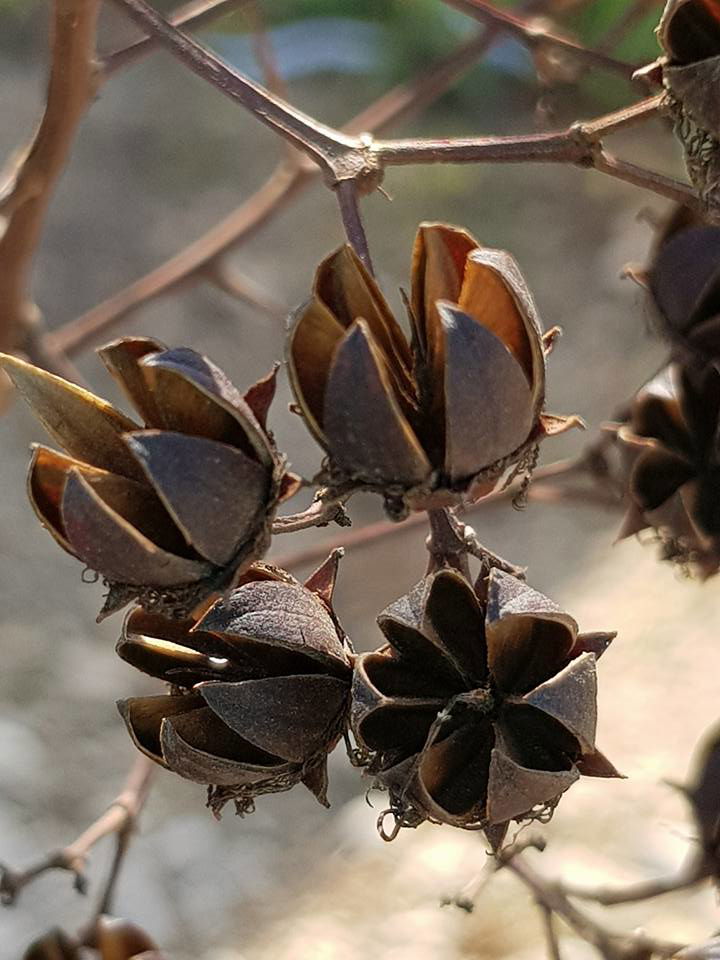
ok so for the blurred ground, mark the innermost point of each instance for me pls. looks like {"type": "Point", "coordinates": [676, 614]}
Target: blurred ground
{"type": "Point", "coordinates": [160, 158]}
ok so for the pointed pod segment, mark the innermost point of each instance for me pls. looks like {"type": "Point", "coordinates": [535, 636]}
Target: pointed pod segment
{"type": "Point", "coordinates": [365, 426]}
{"type": "Point", "coordinates": [488, 401]}
{"type": "Point", "coordinates": [88, 428]}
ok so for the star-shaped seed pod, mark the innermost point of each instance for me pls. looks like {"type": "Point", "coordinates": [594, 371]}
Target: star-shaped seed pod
{"type": "Point", "coordinates": [438, 420]}
{"type": "Point", "coordinates": [481, 708]}
{"type": "Point", "coordinates": [112, 939]}
{"type": "Point", "coordinates": [259, 687]}
{"type": "Point", "coordinates": [689, 33]}
{"type": "Point", "coordinates": [168, 512]}
{"type": "Point", "coordinates": [671, 444]}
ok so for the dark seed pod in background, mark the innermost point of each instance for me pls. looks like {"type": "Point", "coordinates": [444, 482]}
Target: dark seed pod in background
{"type": "Point", "coordinates": [439, 420]}
{"type": "Point", "coordinates": [684, 283]}
{"type": "Point", "coordinates": [481, 708]}
{"type": "Point", "coordinates": [168, 514]}
{"type": "Point", "coordinates": [671, 448]}
{"type": "Point", "coordinates": [689, 33]}
{"type": "Point", "coordinates": [112, 939]}
{"type": "Point", "coordinates": [54, 945]}
{"type": "Point", "coordinates": [260, 687]}
{"type": "Point", "coordinates": [119, 939]}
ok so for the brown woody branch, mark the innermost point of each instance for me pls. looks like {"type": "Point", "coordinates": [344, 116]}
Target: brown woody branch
{"type": "Point", "coordinates": [30, 186]}
{"type": "Point", "coordinates": [286, 182]}
{"type": "Point", "coordinates": [119, 819]}
{"type": "Point", "coordinates": [362, 160]}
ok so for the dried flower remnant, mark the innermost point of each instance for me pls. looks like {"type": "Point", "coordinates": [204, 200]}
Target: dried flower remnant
{"type": "Point", "coordinates": [439, 420]}
{"type": "Point", "coordinates": [481, 708]}
{"type": "Point", "coordinates": [113, 939]}
{"type": "Point", "coordinates": [689, 33]}
{"type": "Point", "coordinates": [260, 687]}
{"type": "Point", "coordinates": [671, 446]}
{"type": "Point", "coordinates": [168, 513]}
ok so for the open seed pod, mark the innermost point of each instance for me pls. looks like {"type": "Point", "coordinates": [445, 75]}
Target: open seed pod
{"type": "Point", "coordinates": [113, 939]}
{"type": "Point", "coordinates": [689, 33]}
{"type": "Point", "coordinates": [168, 513]}
{"type": "Point", "coordinates": [481, 708]}
{"type": "Point", "coordinates": [671, 447]}
{"type": "Point", "coordinates": [437, 420]}
{"type": "Point", "coordinates": [259, 687]}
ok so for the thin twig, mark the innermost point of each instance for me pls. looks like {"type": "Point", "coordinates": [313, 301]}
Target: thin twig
{"type": "Point", "coordinates": [119, 818]}
{"type": "Point", "coordinates": [533, 35]}
{"type": "Point", "coordinates": [29, 188]}
{"type": "Point", "coordinates": [374, 532]}
{"type": "Point", "coordinates": [235, 284]}
{"type": "Point", "coordinates": [696, 871]}
{"type": "Point", "coordinates": [628, 18]}
{"type": "Point", "coordinates": [361, 160]}
{"type": "Point", "coordinates": [196, 14]}
{"type": "Point", "coordinates": [551, 938]}
{"type": "Point", "coordinates": [284, 184]}
{"type": "Point", "coordinates": [609, 944]}
{"type": "Point", "coordinates": [321, 143]}
{"type": "Point", "coordinates": [187, 265]}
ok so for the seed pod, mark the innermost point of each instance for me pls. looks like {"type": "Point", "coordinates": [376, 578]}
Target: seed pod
{"type": "Point", "coordinates": [703, 794]}
{"type": "Point", "coordinates": [113, 939]}
{"type": "Point", "coordinates": [169, 513]}
{"type": "Point", "coordinates": [683, 279]}
{"type": "Point", "coordinates": [671, 445]}
{"type": "Point", "coordinates": [481, 708]}
{"type": "Point", "coordinates": [259, 687]}
{"type": "Point", "coordinates": [54, 945]}
{"type": "Point", "coordinates": [437, 421]}
{"type": "Point", "coordinates": [689, 33]}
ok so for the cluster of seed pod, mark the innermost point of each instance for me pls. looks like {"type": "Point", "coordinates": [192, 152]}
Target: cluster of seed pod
{"type": "Point", "coordinates": [480, 707]}
{"type": "Point", "coordinates": [670, 439]}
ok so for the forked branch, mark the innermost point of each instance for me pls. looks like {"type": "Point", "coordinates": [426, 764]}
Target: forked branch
{"type": "Point", "coordinates": [119, 819]}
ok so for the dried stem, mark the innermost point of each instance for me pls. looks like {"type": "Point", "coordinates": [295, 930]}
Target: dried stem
{"type": "Point", "coordinates": [347, 195]}
{"type": "Point", "coordinates": [551, 938]}
{"type": "Point", "coordinates": [195, 14]}
{"type": "Point", "coordinates": [533, 35]}
{"type": "Point", "coordinates": [544, 488]}
{"type": "Point", "coordinates": [322, 144]}
{"type": "Point", "coordinates": [695, 871]}
{"type": "Point", "coordinates": [286, 182]}
{"type": "Point", "coordinates": [320, 513]}
{"type": "Point", "coordinates": [186, 265]}
{"type": "Point", "coordinates": [553, 899]}
{"type": "Point", "coordinates": [119, 818]}
{"type": "Point", "coordinates": [29, 188]}
{"type": "Point", "coordinates": [451, 542]}
{"type": "Point", "coordinates": [358, 159]}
